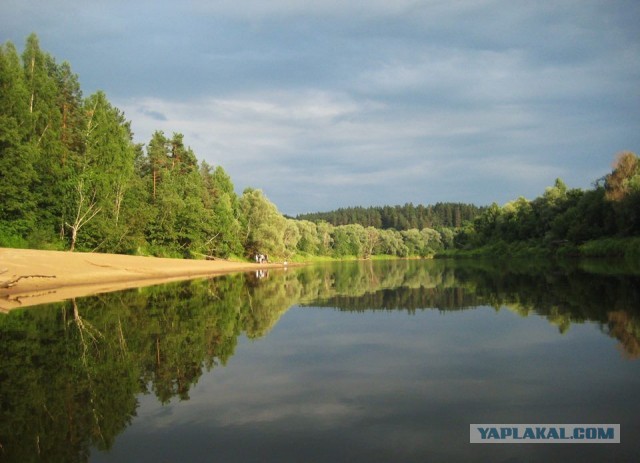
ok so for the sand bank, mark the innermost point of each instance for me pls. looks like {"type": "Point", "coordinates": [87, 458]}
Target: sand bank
{"type": "Point", "coordinates": [41, 277]}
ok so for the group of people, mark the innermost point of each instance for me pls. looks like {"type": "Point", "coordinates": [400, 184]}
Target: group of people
{"type": "Point", "coordinates": [261, 259]}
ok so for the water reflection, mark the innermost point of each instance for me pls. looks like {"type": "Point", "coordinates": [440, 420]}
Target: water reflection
{"type": "Point", "coordinates": [70, 373]}
{"type": "Point", "coordinates": [573, 293]}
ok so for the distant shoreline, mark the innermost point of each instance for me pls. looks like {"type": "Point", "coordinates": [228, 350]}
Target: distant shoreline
{"type": "Point", "coordinates": [40, 277]}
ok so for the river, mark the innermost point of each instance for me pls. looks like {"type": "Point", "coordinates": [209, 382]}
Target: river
{"type": "Point", "coordinates": [383, 361]}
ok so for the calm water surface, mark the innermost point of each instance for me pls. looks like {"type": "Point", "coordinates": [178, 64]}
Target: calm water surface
{"type": "Point", "coordinates": [371, 362]}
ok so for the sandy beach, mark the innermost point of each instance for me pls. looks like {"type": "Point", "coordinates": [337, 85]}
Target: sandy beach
{"type": "Point", "coordinates": [30, 277]}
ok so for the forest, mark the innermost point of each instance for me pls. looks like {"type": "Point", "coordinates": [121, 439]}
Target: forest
{"type": "Point", "coordinates": [439, 215]}
{"type": "Point", "coordinates": [71, 177]}
{"type": "Point", "coordinates": [600, 222]}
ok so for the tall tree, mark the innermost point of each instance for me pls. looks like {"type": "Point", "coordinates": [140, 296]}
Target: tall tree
{"type": "Point", "coordinates": [622, 188]}
{"type": "Point", "coordinates": [101, 173]}
{"type": "Point", "coordinates": [263, 225]}
{"type": "Point", "coordinates": [309, 242]}
{"type": "Point", "coordinates": [224, 234]}
{"type": "Point", "coordinates": [45, 128]}
{"type": "Point", "coordinates": [17, 173]}
{"type": "Point", "coordinates": [624, 178]}
{"type": "Point", "coordinates": [158, 155]}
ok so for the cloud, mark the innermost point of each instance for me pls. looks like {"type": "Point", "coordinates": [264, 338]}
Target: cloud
{"type": "Point", "coordinates": [365, 102]}
{"type": "Point", "coordinates": [368, 148]}
{"type": "Point", "coordinates": [155, 115]}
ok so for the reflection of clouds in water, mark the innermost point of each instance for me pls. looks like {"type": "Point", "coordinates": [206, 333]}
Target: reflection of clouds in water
{"type": "Point", "coordinates": [321, 413]}
{"type": "Point", "coordinates": [354, 367]}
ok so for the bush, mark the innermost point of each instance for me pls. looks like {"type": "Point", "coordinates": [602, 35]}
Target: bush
{"type": "Point", "coordinates": [628, 248]}
{"type": "Point", "coordinates": [12, 241]}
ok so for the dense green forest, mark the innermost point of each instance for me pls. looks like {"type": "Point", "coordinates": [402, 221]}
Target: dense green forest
{"type": "Point", "coordinates": [71, 177]}
{"type": "Point", "coordinates": [451, 215]}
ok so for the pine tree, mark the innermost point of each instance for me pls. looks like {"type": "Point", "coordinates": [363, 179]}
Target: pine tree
{"type": "Point", "coordinates": [158, 156]}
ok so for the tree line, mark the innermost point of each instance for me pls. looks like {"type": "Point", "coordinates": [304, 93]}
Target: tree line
{"type": "Point", "coordinates": [603, 220]}
{"type": "Point", "coordinates": [402, 218]}
{"type": "Point", "coordinates": [71, 177]}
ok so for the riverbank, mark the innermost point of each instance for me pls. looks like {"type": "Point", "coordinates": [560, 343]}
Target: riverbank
{"type": "Point", "coordinates": [31, 277]}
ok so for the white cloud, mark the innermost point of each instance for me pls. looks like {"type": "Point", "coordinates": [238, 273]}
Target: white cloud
{"type": "Point", "coordinates": [315, 140]}
{"type": "Point", "coordinates": [250, 135]}
{"type": "Point", "coordinates": [271, 120]}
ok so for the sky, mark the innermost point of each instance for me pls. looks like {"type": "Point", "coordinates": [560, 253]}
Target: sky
{"type": "Point", "coordinates": [332, 103]}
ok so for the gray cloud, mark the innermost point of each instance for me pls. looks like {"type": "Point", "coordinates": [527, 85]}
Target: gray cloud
{"type": "Point", "coordinates": [365, 103]}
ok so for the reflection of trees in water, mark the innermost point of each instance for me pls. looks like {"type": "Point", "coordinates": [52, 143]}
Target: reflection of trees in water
{"type": "Point", "coordinates": [563, 295]}
{"type": "Point", "coordinates": [570, 295]}
{"type": "Point", "coordinates": [626, 328]}
{"type": "Point", "coordinates": [61, 389]}
{"type": "Point", "coordinates": [70, 372]}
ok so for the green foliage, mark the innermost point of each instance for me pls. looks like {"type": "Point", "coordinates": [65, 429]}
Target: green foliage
{"type": "Point", "coordinates": [628, 248]}
{"type": "Point", "coordinates": [399, 217]}
{"type": "Point", "coordinates": [18, 177]}
{"type": "Point", "coordinates": [10, 240]}
{"type": "Point", "coordinates": [309, 242]}
{"type": "Point", "coordinates": [264, 226]}
{"type": "Point", "coordinates": [224, 231]}
{"type": "Point", "coordinates": [348, 240]}
{"type": "Point", "coordinates": [622, 189]}
{"type": "Point", "coordinates": [563, 221]}
{"type": "Point", "coordinates": [391, 242]}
